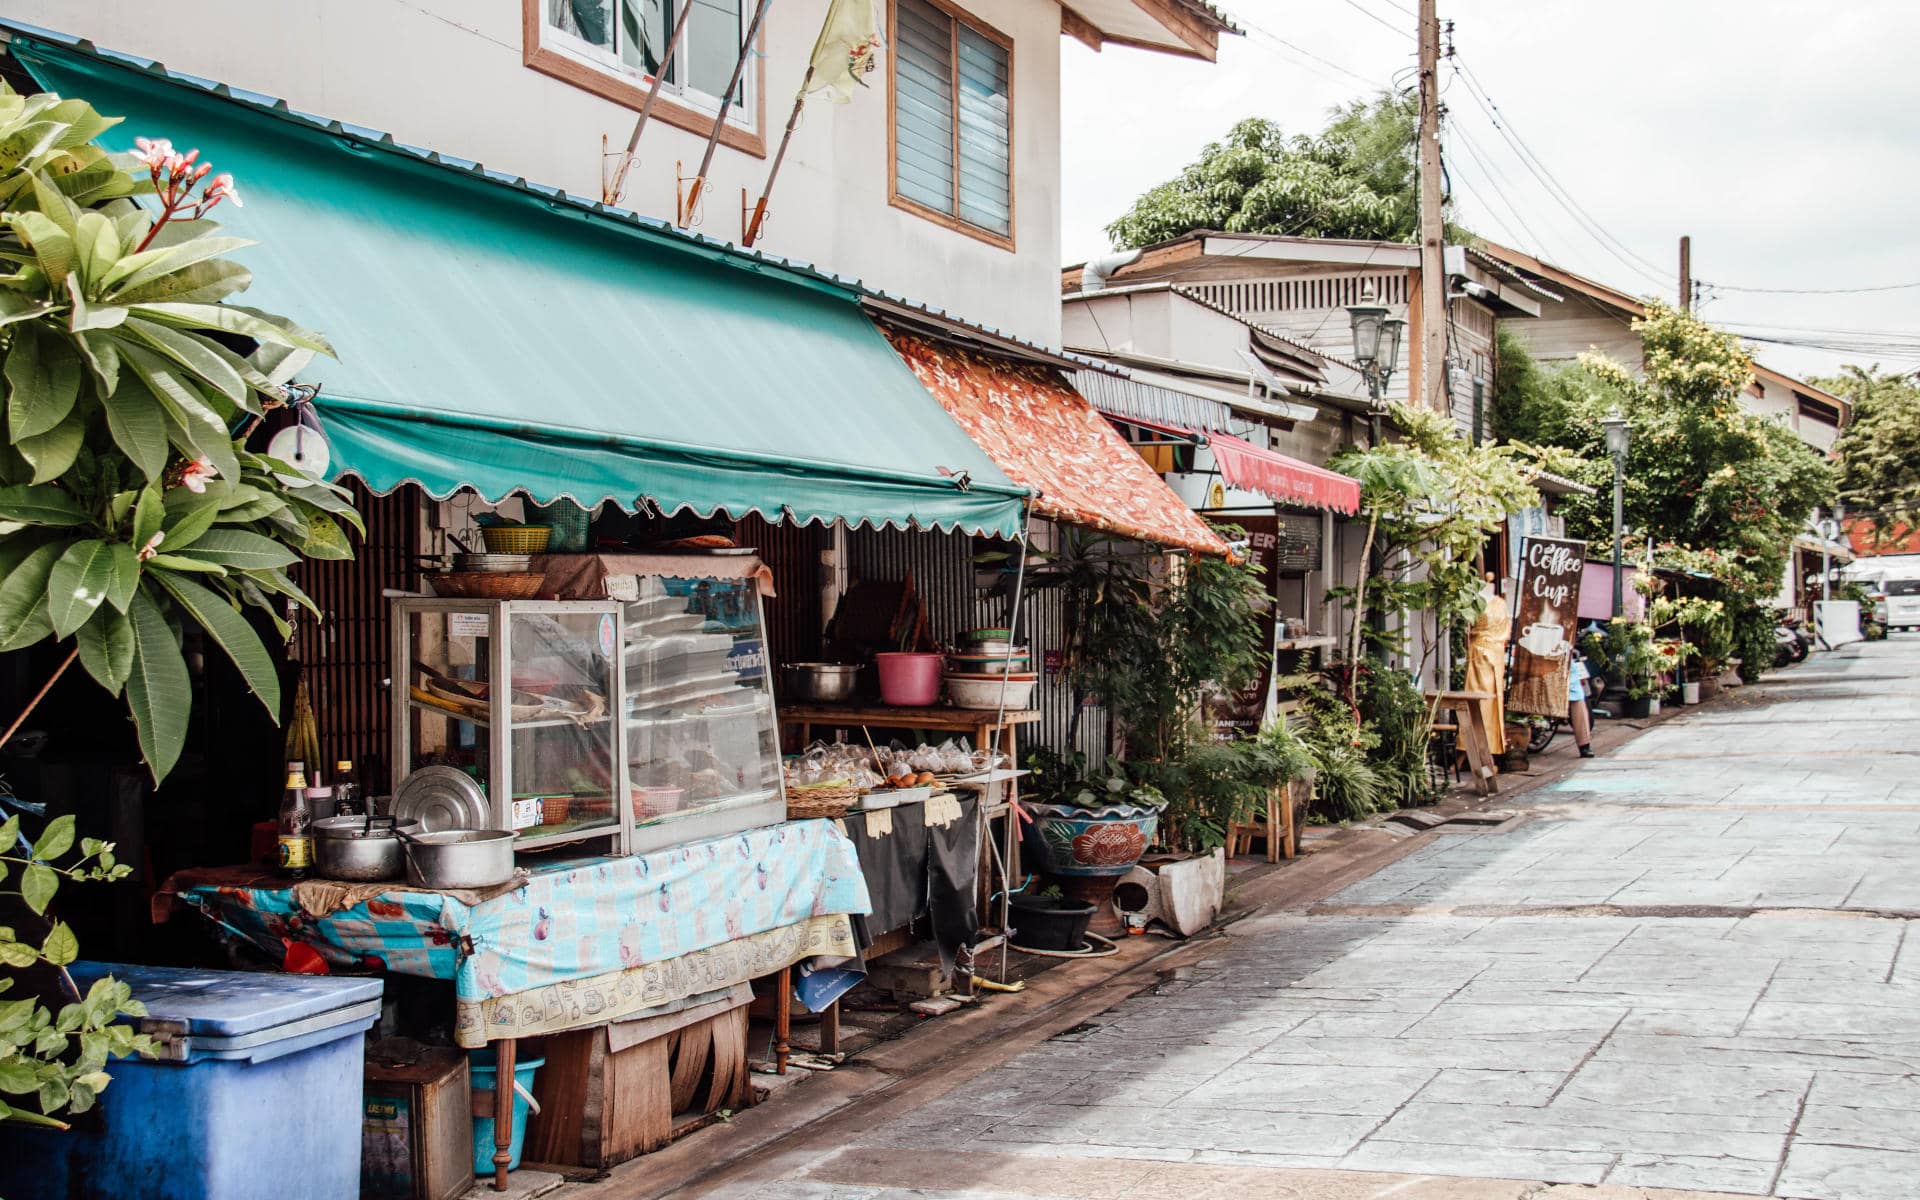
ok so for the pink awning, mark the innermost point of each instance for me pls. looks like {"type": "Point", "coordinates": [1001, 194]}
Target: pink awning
{"type": "Point", "coordinates": [1288, 480]}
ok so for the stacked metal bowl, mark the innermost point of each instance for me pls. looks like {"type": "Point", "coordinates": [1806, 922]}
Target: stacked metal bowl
{"type": "Point", "coordinates": [507, 563]}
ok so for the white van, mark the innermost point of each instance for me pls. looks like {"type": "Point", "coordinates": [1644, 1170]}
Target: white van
{"type": "Point", "coordinates": [1903, 603]}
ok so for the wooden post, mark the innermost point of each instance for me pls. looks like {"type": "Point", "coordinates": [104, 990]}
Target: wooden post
{"type": "Point", "coordinates": [502, 1111]}
{"type": "Point", "coordinates": [782, 1019]}
{"type": "Point", "coordinates": [1433, 274]}
{"type": "Point", "coordinates": [726, 102]}
{"type": "Point", "coordinates": [611, 192]}
{"type": "Point", "coordinates": [1686, 273]}
{"type": "Point", "coordinates": [760, 206]}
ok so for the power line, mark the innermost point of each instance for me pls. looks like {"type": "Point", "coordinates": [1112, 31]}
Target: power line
{"type": "Point", "coordinates": [1356, 6]}
{"type": "Point", "coordinates": [1840, 291]}
{"type": "Point", "coordinates": [1302, 50]}
{"type": "Point", "coordinates": [1554, 188]}
{"type": "Point", "coordinates": [1493, 180]}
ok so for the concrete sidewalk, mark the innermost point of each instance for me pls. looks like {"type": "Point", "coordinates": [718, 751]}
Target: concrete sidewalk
{"type": "Point", "coordinates": [1682, 966]}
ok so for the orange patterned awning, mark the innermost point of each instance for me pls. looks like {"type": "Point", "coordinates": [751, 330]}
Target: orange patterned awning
{"type": "Point", "coordinates": [1047, 437]}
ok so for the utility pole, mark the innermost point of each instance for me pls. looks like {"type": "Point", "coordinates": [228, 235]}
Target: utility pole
{"type": "Point", "coordinates": [1686, 273]}
{"type": "Point", "coordinates": [1433, 277]}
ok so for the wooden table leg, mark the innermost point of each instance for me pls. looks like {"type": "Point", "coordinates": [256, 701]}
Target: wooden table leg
{"type": "Point", "coordinates": [1473, 731]}
{"type": "Point", "coordinates": [830, 1029]}
{"type": "Point", "coordinates": [502, 1111]}
{"type": "Point", "coordinates": [1276, 836]}
{"type": "Point", "coordinates": [782, 1020]}
{"type": "Point", "coordinates": [1288, 837]}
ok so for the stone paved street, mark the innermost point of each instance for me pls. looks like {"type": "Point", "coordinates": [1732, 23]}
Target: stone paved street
{"type": "Point", "coordinates": [1684, 966]}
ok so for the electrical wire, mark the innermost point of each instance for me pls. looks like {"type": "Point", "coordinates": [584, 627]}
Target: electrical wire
{"type": "Point", "coordinates": [1551, 184]}
{"type": "Point", "coordinates": [1362, 9]}
{"type": "Point", "coordinates": [1838, 291]}
{"type": "Point", "coordinates": [1302, 50]}
{"type": "Point", "coordinates": [1489, 176]}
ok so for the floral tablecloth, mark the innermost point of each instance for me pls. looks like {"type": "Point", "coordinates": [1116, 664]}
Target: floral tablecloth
{"type": "Point", "coordinates": [588, 940]}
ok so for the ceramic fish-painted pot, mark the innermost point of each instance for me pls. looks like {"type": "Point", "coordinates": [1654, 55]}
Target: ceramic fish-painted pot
{"type": "Point", "coordinates": [1070, 841]}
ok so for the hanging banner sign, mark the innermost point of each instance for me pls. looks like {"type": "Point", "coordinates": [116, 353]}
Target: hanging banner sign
{"type": "Point", "coordinates": [1546, 618]}
{"type": "Point", "coordinates": [1242, 713]}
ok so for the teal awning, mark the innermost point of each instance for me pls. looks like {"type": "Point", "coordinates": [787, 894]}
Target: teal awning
{"type": "Point", "coordinates": [500, 337]}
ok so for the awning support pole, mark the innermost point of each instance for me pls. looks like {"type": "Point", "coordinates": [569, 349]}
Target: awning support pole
{"type": "Point", "coordinates": [610, 192]}
{"type": "Point", "coordinates": [726, 103]}
{"type": "Point", "coordinates": [760, 206]}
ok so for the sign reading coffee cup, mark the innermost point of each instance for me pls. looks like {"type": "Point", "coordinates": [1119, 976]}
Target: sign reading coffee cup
{"type": "Point", "coordinates": [1546, 616]}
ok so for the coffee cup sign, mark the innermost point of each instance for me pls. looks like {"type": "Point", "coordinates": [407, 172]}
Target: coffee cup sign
{"type": "Point", "coordinates": [1548, 612]}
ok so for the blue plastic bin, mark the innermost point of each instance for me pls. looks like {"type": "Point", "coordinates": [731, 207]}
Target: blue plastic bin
{"type": "Point", "coordinates": [483, 1068]}
{"type": "Point", "coordinates": [257, 1092]}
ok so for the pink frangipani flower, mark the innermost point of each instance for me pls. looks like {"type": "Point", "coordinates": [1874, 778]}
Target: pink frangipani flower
{"type": "Point", "coordinates": [194, 477]}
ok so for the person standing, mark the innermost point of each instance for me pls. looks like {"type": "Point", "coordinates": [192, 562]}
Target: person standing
{"type": "Point", "coordinates": [1578, 715]}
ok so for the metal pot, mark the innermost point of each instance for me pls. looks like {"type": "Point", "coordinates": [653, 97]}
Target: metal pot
{"type": "Point", "coordinates": [822, 682]}
{"type": "Point", "coordinates": [460, 858]}
{"type": "Point", "coordinates": [357, 851]}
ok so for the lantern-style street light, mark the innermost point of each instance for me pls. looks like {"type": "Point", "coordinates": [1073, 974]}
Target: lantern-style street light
{"type": "Point", "coordinates": [1376, 347]}
{"type": "Point", "coordinates": [1619, 435]}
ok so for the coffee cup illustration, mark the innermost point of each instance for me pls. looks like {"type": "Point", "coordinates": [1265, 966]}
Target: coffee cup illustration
{"type": "Point", "coordinates": [1543, 640]}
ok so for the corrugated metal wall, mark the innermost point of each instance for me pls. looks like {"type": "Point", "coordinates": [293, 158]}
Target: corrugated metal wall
{"type": "Point", "coordinates": [346, 654]}
{"type": "Point", "coordinates": [942, 568]}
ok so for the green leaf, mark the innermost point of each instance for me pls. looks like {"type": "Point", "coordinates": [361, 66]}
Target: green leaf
{"type": "Point", "coordinates": [191, 351]}
{"type": "Point", "coordinates": [17, 954]}
{"type": "Point", "coordinates": [227, 627]}
{"type": "Point", "coordinates": [126, 575]}
{"type": "Point", "coordinates": [149, 514]}
{"type": "Point", "coordinates": [37, 885]}
{"type": "Point", "coordinates": [159, 691]}
{"type": "Point", "coordinates": [51, 453]}
{"type": "Point", "coordinates": [241, 549]}
{"type": "Point", "coordinates": [40, 504]}
{"type": "Point", "coordinates": [52, 246]}
{"type": "Point", "coordinates": [205, 282]}
{"type": "Point", "coordinates": [9, 834]}
{"type": "Point", "coordinates": [19, 1076]}
{"type": "Point", "coordinates": [61, 947]}
{"type": "Point", "coordinates": [233, 319]}
{"type": "Point", "coordinates": [138, 425]}
{"type": "Point", "coordinates": [103, 358]}
{"type": "Point", "coordinates": [131, 272]}
{"type": "Point", "coordinates": [178, 562]}
{"type": "Point", "coordinates": [189, 519]}
{"type": "Point", "coordinates": [56, 839]}
{"type": "Point", "coordinates": [43, 382]}
{"type": "Point", "coordinates": [78, 585]}
{"type": "Point", "coordinates": [106, 649]}
{"type": "Point", "coordinates": [25, 589]}
{"type": "Point", "coordinates": [325, 539]}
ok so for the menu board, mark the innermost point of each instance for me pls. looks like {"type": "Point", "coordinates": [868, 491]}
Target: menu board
{"type": "Point", "coordinates": [1546, 616]}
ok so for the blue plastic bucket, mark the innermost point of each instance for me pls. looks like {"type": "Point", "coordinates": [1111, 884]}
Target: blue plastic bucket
{"type": "Point", "coordinates": [484, 1070]}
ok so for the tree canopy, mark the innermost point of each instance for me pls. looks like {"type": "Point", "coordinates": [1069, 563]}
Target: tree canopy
{"type": "Point", "coordinates": [1357, 178]}
{"type": "Point", "coordinates": [1879, 453]}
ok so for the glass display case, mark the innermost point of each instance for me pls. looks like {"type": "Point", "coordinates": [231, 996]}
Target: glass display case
{"type": "Point", "coordinates": [545, 748]}
{"type": "Point", "coordinates": [702, 745]}
{"type": "Point", "coordinates": [647, 719]}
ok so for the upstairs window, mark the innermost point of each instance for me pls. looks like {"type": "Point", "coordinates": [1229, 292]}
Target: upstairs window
{"type": "Point", "coordinates": [952, 120]}
{"type": "Point", "coordinates": [614, 47]}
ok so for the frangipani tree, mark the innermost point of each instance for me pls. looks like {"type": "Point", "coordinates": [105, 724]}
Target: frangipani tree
{"type": "Point", "coordinates": [130, 507]}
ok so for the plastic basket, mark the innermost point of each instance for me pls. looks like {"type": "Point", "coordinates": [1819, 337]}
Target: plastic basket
{"type": "Point", "coordinates": [517, 539]}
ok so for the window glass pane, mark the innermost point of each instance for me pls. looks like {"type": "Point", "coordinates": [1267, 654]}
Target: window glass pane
{"type": "Point", "coordinates": [711, 47]}
{"type": "Point", "coordinates": [643, 35]}
{"type": "Point", "coordinates": [985, 111]}
{"type": "Point", "coordinates": [923, 105]}
{"type": "Point", "coordinates": [589, 20]}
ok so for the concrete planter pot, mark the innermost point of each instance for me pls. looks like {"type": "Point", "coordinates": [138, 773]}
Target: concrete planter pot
{"type": "Point", "coordinates": [1089, 849]}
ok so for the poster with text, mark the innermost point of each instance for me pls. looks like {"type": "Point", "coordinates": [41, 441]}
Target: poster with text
{"type": "Point", "coordinates": [1545, 622]}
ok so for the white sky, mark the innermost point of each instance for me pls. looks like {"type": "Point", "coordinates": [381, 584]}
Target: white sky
{"type": "Point", "coordinates": [1783, 136]}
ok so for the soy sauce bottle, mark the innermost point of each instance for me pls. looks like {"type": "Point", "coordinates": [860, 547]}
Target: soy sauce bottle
{"type": "Point", "coordinates": [296, 826]}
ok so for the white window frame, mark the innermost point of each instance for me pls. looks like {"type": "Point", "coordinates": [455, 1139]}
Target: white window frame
{"type": "Point", "coordinates": [744, 113]}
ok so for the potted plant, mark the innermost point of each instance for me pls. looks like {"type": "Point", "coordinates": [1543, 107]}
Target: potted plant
{"type": "Point", "coordinates": [1048, 920]}
{"type": "Point", "coordinates": [1636, 664]}
{"type": "Point", "coordinates": [1091, 822]}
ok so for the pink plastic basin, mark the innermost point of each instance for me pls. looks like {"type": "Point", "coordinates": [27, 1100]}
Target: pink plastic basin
{"type": "Point", "coordinates": [910, 680]}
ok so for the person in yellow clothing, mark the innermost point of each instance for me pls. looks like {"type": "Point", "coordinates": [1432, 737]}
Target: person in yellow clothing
{"type": "Point", "coordinates": [1487, 664]}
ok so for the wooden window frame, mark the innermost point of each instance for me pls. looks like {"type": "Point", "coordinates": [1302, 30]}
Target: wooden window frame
{"type": "Point", "coordinates": [953, 221]}
{"type": "Point", "coordinates": [630, 92]}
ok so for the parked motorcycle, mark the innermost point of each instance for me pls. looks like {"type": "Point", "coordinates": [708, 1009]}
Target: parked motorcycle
{"type": "Point", "coordinates": [1792, 641]}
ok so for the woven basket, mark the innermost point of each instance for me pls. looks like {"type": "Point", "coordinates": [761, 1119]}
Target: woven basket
{"type": "Point", "coordinates": [807, 803]}
{"type": "Point", "coordinates": [488, 585]}
{"type": "Point", "coordinates": [517, 539]}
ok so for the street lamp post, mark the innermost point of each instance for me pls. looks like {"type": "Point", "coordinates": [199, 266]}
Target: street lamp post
{"type": "Point", "coordinates": [1619, 434]}
{"type": "Point", "coordinates": [1376, 348]}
